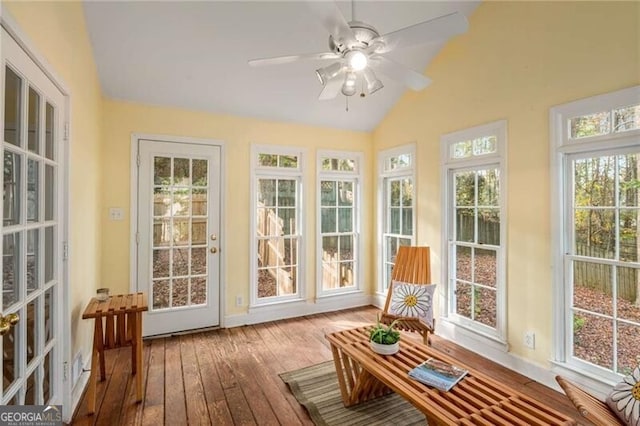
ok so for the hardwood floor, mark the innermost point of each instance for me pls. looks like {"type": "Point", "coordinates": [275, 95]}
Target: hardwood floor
{"type": "Point", "coordinates": [230, 376]}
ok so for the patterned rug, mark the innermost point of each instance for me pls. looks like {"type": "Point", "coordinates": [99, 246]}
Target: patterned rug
{"type": "Point", "coordinates": [317, 389]}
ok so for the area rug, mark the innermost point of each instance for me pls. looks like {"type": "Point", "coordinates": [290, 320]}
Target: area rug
{"type": "Point", "coordinates": [317, 389]}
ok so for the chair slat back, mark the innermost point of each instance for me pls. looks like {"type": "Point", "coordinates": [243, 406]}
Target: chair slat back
{"type": "Point", "coordinates": [412, 265]}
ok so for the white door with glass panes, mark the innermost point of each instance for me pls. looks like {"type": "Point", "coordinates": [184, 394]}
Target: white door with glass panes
{"type": "Point", "coordinates": [33, 199]}
{"type": "Point", "coordinates": [179, 235]}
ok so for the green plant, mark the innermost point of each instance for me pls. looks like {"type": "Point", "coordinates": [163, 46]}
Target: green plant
{"type": "Point", "coordinates": [578, 323]}
{"type": "Point", "coordinates": [384, 335]}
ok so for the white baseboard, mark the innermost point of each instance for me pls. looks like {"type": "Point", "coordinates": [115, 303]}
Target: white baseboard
{"type": "Point", "coordinates": [80, 385]}
{"type": "Point", "coordinates": [261, 314]}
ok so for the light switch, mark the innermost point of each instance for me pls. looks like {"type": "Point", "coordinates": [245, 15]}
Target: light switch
{"type": "Point", "coordinates": [116, 213]}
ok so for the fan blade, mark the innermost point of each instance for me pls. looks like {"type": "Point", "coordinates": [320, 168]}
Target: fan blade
{"type": "Point", "coordinates": [398, 72]}
{"type": "Point", "coordinates": [292, 58]}
{"type": "Point", "coordinates": [332, 88]}
{"type": "Point", "coordinates": [437, 29]}
{"type": "Point", "coordinates": [332, 19]}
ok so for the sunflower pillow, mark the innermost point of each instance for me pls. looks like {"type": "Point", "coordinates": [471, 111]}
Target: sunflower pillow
{"type": "Point", "coordinates": [624, 399]}
{"type": "Point", "coordinates": [412, 300]}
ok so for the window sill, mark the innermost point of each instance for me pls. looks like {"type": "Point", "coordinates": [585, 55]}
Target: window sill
{"type": "Point", "coordinates": [266, 305]}
{"type": "Point", "coordinates": [344, 293]}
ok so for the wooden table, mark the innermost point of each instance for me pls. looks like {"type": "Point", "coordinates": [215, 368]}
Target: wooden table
{"type": "Point", "coordinates": [118, 323]}
{"type": "Point", "coordinates": [476, 400]}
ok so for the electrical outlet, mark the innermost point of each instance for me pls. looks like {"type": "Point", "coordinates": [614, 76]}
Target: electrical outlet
{"type": "Point", "coordinates": [116, 213]}
{"type": "Point", "coordinates": [239, 301]}
{"type": "Point", "coordinates": [530, 339]}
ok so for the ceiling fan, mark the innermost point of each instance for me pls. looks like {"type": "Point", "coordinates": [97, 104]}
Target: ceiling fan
{"type": "Point", "coordinates": [358, 50]}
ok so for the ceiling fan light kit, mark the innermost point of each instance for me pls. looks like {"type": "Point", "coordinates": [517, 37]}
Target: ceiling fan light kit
{"type": "Point", "coordinates": [359, 49]}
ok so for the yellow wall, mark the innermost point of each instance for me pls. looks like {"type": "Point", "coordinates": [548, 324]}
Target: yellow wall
{"type": "Point", "coordinates": [122, 119]}
{"type": "Point", "coordinates": [517, 61]}
{"type": "Point", "coordinates": [58, 33]}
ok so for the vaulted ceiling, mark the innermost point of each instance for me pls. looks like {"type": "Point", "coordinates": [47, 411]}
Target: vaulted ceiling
{"type": "Point", "coordinates": [193, 55]}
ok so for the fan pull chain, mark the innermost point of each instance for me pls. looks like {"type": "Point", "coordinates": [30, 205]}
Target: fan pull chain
{"type": "Point", "coordinates": [346, 99]}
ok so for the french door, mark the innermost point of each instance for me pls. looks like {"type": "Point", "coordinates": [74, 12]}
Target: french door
{"type": "Point", "coordinates": [179, 235]}
{"type": "Point", "coordinates": [32, 231]}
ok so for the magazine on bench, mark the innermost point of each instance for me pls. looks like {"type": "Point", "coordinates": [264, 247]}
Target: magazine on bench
{"type": "Point", "coordinates": [439, 374]}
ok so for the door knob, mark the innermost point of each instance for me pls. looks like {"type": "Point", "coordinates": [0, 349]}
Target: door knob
{"type": "Point", "coordinates": [7, 322]}
{"type": "Point", "coordinates": [213, 250]}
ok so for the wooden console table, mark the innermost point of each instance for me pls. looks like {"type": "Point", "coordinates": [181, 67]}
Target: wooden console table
{"type": "Point", "coordinates": [476, 400]}
{"type": "Point", "coordinates": [118, 323]}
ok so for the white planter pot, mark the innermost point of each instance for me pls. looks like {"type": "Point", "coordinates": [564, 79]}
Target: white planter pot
{"type": "Point", "coordinates": [385, 349]}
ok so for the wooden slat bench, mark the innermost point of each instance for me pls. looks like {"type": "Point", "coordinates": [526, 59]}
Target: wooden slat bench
{"type": "Point", "coordinates": [476, 400]}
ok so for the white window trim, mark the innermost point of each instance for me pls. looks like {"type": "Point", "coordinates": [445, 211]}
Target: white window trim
{"type": "Point", "coordinates": [383, 174]}
{"type": "Point", "coordinates": [356, 177]}
{"type": "Point", "coordinates": [563, 149]}
{"type": "Point", "coordinates": [449, 164]}
{"type": "Point", "coordinates": [276, 172]}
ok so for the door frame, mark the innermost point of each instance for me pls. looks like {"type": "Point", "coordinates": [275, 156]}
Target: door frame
{"type": "Point", "coordinates": [29, 47]}
{"type": "Point", "coordinates": [133, 210]}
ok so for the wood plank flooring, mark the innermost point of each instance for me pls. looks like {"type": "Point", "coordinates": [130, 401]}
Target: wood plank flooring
{"type": "Point", "coordinates": [230, 376]}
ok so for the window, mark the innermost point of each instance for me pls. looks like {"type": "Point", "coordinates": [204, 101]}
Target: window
{"type": "Point", "coordinates": [339, 177]}
{"type": "Point", "coordinates": [277, 230]}
{"type": "Point", "coordinates": [596, 150]}
{"type": "Point", "coordinates": [397, 201]}
{"type": "Point", "coordinates": [474, 219]}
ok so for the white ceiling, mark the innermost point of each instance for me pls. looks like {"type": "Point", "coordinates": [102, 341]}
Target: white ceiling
{"type": "Point", "coordinates": [193, 55]}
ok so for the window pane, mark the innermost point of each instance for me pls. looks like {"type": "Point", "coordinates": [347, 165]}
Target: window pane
{"type": "Point", "coordinates": [33, 186]}
{"type": "Point", "coordinates": [590, 125]}
{"type": "Point", "coordinates": [162, 205]}
{"type": "Point", "coordinates": [629, 234]}
{"type": "Point", "coordinates": [628, 294]}
{"type": "Point", "coordinates": [394, 200]}
{"type": "Point", "coordinates": [10, 269]}
{"type": "Point", "coordinates": [288, 161]}
{"type": "Point", "coordinates": [595, 181]}
{"type": "Point", "coordinates": [181, 202]}
{"type": "Point", "coordinates": [199, 172]}
{"type": "Point", "coordinates": [628, 169]}
{"type": "Point", "coordinates": [407, 193]}
{"type": "Point", "coordinates": [485, 267]}
{"type": "Point", "coordinates": [12, 188]}
{"type": "Point", "coordinates": [12, 107]}
{"type": "Point", "coordinates": [267, 192]}
{"type": "Point", "coordinates": [49, 254]}
{"type": "Point", "coordinates": [489, 226]}
{"type": "Point", "coordinates": [328, 193]}
{"type": "Point", "coordinates": [179, 292]}
{"type": "Point", "coordinates": [161, 263]}
{"type": "Point", "coordinates": [267, 282]}
{"type": "Point", "coordinates": [198, 260]}
{"type": "Point", "coordinates": [49, 132]}
{"type": "Point", "coordinates": [461, 149]}
{"type": "Point", "coordinates": [198, 231]}
{"type": "Point", "coordinates": [394, 218]}
{"type": "Point", "coordinates": [160, 294]}
{"type": "Point", "coordinates": [49, 188]}
{"type": "Point", "coordinates": [346, 194]}
{"type": "Point", "coordinates": [595, 233]}
{"type": "Point", "coordinates": [286, 193]}
{"type": "Point", "coordinates": [290, 250]}
{"type": "Point", "coordinates": [267, 160]}
{"type": "Point", "coordinates": [181, 232]}
{"type": "Point", "coordinates": [346, 165]}
{"type": "Point", "coordinates": [463, 263]}
{"type": "Point", "coordinates": [49, 313]}
{"type": "Point", "coordinates": [161, 170]}
{"type": "Point", "coordinates": [588, 343]}
{"type": "Point", "coordinates": [592, 289]}
{"type": "Point", "coordinates": [407, 221]}
{"type": "Point", "coordinates": [628, 344]}
{"type": "Point", "coordinates": [465, 184]}
{"type": "Point", "coordinates": [180, 262]}
{"type": "Point", "coordinates": [489, 187]}
{"type": "Point", "coordinates": [198, 291]}
{"type": "Point", "coordinates": [181, 171]}
{"type": "Point", "coordinates": [484, 145]}
{"type": "Point", "coordinates": [287, 221]}
{"type": "Point", "coordinates": [346, 247]}
{"type": "Point", "coordinates": [199, 202]}
{"type": "Point", "coordinates": [162, 232]}
{"type": "Point", "coordinates": [33, 256]}
{"type": "Point", "coordinates": [463, 299]}
{"type": "Point", "coordinates": [485, 306]}
{"type": "Point", "coordinates": [33, 121]}
{"type": "Point", "coordinates": [626, 118]}
{"type": "Point", "coordinates": [345, 220]}
{"type": "Point", "coordinates": [328, 220]}
{"type": "Point", "coordinates": [31, 322]}
{"type": "Point", "coordinates": [464, 225]}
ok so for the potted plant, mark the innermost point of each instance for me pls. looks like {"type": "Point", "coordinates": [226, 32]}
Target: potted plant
{"type": "Point", "coordinates": [384, 339]}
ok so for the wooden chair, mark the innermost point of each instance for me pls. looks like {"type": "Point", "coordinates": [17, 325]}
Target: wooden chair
{"type": "Point", "coordinates": [412, 265]}
{"type": "Point", "coordinates": [589, 406]}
